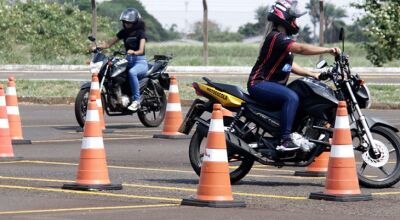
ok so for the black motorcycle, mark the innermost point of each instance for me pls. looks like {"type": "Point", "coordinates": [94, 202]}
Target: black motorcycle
{"type": "Point", "coordinates": [252, 133]}
{"type": "Point", "coordinates": [115, 89]}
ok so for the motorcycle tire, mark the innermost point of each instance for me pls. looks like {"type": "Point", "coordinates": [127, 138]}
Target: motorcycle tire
{"type": "Point", "coordinates": [370, 176]}
{"type": "Point", "coordinates": [81, 101]}
{"type": "Point", "coordinates": [152, 110]}
{"type": "Point", "coordinates": [195, 158]}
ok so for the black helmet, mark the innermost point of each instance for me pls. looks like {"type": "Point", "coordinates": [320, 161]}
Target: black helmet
{"type": "Point", "coordinates": [130, 15]}
{"type": "Point", "coordinates": [284, 13]}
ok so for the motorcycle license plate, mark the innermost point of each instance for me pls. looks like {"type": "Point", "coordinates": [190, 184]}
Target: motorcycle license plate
{"type": "Point", "coordinates": [194, 111]}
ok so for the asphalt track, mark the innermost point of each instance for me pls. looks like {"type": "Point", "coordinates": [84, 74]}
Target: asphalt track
{"type": "Point", "coordinates": [156, 175]}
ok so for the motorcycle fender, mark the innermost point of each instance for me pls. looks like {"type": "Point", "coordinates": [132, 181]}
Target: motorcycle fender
{"type": "Point", "coordinates": [372, 122]}
{"type": "Point", "coordinates": [86, 85]}
{"type": "Point", "coordinates": [202, 127]}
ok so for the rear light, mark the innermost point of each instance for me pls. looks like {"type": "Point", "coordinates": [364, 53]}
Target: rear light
{"type": "Point", "coordinates": [197, 89]}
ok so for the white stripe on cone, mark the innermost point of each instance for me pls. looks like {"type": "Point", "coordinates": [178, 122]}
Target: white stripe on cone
{"type": "Point", "coordinates": [343, 151]}
{"type": "Point", "coordinates": [4, 123]}
{"type": "Point", "coordinates": [99, 104]}
{"type": "Point", "coordinates": [11, 91]}
{"type": "Point", "coordinates": [92, 115]}
{"type": "Point", "coordinates": [215, 155]}
{"type": "Point", "coordinates": [174, 107]}
{"type": "Point", "coordinates": [92, 143]}
{"type": "Point", "coordinates": [95, 86]}
{"type": "Point", "coordinates": [3, 101]}
{"type": "Point", "coordinates": [173, 88]}
{"type": "Point", "coordinates": [342, 122]}
{"type": "Point", "coordinates": [12, 110]}
{"type": "Point", "coordinates": [216, 125]}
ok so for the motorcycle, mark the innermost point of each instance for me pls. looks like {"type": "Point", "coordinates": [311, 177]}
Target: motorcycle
{"type": "Point", "coordinates": [115, 89]}
{"type": "Point", "coordinates": [252, 133]}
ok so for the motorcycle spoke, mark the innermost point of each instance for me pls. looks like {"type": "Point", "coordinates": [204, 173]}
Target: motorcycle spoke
{"type": "Point", "coordinates": [383, 170]}
{"type": "Point", "coordinates": [362, 168]}
{"type": "Point", "coordinates": [392, 150]}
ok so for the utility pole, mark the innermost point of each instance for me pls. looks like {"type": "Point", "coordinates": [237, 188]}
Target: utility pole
{"type": "Point", "coordinates": [321, 25]}
{"type": "Point", "coordinates": [94, 18]}
{"type": "Point", "coordinates": [205, 33]}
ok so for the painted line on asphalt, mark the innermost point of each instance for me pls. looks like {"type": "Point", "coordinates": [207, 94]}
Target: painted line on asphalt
{"type": "Point", "coordinates": [160, 188]}
{"type": "Point", "coordinates": [164, 170]}
{"type": "Point", "coordinates": [74, 125]}
{"type": "Point", "coordinates": [80, 139]}
{"type": "Point", "coordinates": [87, 209]}
{"type": "Point", "coordinates": [115, 195]}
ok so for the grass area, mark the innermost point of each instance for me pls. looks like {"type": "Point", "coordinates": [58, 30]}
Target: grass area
{"type": "Point", "coordinates": [220, 54]}
{"type": "Point", "coordinates": [63, 88]}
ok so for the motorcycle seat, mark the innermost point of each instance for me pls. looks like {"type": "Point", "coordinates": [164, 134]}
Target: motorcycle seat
{"type": "Point", "coordinates": [240, 93]}
{"type": "Point", "coordinates": [154, 67]}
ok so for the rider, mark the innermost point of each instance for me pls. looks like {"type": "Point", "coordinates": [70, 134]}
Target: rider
{"type": "Point", "coordinates": [268, 78]}
{"type": "Point", "coordinates": [134, 36]}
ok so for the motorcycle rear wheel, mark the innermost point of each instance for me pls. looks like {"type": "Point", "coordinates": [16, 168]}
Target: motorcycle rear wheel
{"type": "Point", "coordinates": [388, 174]}
{"type": "Point", "coordinates": [242, 164]}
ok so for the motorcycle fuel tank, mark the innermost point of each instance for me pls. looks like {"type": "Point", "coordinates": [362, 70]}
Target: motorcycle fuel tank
{"type": "Point", "coordinates": [316, 98]}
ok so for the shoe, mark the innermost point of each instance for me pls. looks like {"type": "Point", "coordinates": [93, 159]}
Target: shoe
{"type": "Point", "coordinates": [134, 106]}
{"type": "Point", "coordinates": [287, 145]}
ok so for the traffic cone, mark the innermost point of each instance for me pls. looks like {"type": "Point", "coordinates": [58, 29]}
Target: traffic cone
{"type": "Point", "coordinates": [92, 171]}
{"type": "Point", "coordinates": [214, 188]}
{"type": "Point", "coordinates": [318, 168]}
{"type": "Point", "coordinates": [6, 149]}
{"type": "Point", "coordinates": [173, 115]}
{"type": "Point", "coordinates": [14, 118]}
{"type": "Point", "coordinates": [341, 181]}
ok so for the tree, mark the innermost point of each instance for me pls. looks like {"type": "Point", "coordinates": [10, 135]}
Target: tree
{"type": "Point", "coordinates": [305, 35]}
{"type": "Point", "coordinates": [313, 7]}
{"type": "Point", "coordinates": [258, 28]}
{"type": "Point", "coordinates": [215, 33]}
{"type": "Point", "coordinates": [383, 29]}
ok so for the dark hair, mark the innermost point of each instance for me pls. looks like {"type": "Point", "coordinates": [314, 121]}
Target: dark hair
{"type": "Point", "coordinates": [140, 25]}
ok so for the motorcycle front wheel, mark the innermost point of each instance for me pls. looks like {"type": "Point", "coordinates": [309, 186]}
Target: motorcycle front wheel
{"type": "Point", "coordinates": [81, 101]}
{"type": "Point", "coordinates": [382, 170]}
{"type": "Point", "coordinates": [239, 165]}
{"type": "Point", "coordinates": [153, 106]}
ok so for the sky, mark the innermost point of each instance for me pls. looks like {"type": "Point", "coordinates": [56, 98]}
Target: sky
{"type": "Point", "coordinates": [229, 14]}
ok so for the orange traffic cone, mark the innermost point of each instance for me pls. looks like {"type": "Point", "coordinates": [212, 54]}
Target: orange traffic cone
{"type": "Point", "coordinates": [6, 149]}
{"type": "Point", "coordinates": [318, 168]}
{"type": "Point", "coordinates": [173, 115]}
{"type": "Point", "coordinates": [214, 188]}
{"type": "Point", "coordinates": [341, 181]}
{"type": "Point", "coordinates": [14, 118]}
{"type": "Point", "coordinates": [92, 171]}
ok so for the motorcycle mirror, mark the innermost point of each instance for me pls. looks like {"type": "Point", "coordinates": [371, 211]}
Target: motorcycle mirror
{"type": "Point", "coordinates": [91, 38]}
{"type": "Point", "coordinates": [341, 37]}
{"type": "Point", "coordinates": [321, 64]}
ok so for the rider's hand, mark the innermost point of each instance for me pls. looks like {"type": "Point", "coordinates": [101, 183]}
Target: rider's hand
{"type": "Point", "coordinates": [315, 75]}
{"type": "Point", "coordinates": [335, 51]}
{"type": "Point", "coordinates": [131, 52]}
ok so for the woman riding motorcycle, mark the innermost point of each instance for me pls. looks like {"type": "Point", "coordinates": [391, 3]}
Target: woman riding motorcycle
{"type": "Point", "coordinates": [268, 78]}
{"type": "Point", "coordinates": [134, 36]}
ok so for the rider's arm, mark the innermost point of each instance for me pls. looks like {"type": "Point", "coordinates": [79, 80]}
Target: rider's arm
{"type": "Point", "coordinates": [298, 70]}
{"type": "Point", "coordinates": [109, 43]}
{"type": "Point", "coordinates": [140, 51]}
{"type": "Point", "coordinates": [308, 49]}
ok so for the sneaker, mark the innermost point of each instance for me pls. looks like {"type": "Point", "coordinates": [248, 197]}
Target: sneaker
{"type": "Point", "coordinates": [134, 106]}
{"type": "Point", "coordinates": [287, 145]}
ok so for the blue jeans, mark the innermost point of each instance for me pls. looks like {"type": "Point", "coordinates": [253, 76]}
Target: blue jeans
{"type": "Point", "coordinates": [138, 70]}
{"type": "Point", "coordinates": [280, 96]}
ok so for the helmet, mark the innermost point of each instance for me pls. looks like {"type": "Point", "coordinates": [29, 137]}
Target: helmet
{"type": "Point", "coordinates": [284, 13]}
{"type": "Point", "coordinates": [130, 15]}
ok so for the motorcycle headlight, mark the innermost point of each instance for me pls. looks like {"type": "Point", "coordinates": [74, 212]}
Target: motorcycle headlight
{"type": "Point", "coordinates": [95, 67]}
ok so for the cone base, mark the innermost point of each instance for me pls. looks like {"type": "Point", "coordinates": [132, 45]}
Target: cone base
{"type": "Point", "coordinates": [340, 198]}
{"type": "Point", "coordinates": [172, 136]}
{"type": "Point", "coordinates": [310, 173]}
{"type": "Point", "coordinates": [99, 187]}
{"type": "Point", "coordinates": [11, 158]}
{"type": "Point", "coordinates": [213, 204]}
{"type": "Point", "coordinates": [21, 141]}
